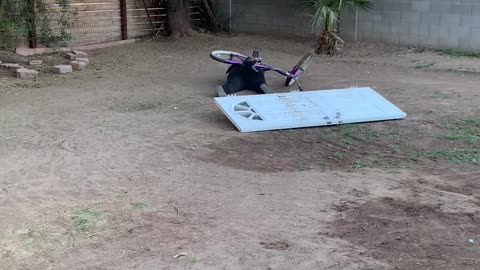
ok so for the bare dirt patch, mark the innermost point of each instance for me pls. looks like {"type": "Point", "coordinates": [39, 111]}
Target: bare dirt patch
{"type": "Point", "coordinates": [412, 236]}
{"type": "Point", "coordinates": [328, 148]}
{"type": "Point", "coordinates": [129, 163]}
{"type": "Point", "coordinates": [388, 145]}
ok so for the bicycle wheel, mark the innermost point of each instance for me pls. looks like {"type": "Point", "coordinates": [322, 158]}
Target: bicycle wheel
{"type": "Point", "coordinates": [299, 69]}
{"type": "Point", "coordinates": [289, 81]}
{"type": "Point", "coordinates": [304, 63]}
{"type": "Point", "coordinates": [223, 56]}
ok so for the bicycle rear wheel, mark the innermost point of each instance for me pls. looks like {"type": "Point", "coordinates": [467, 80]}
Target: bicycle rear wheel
{"type": "Point", "coordinates": [299, 69]}
{"type": "Point", "coordinates": [224, 56]}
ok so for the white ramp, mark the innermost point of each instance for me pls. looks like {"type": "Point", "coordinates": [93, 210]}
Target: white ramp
{"type": "Point", "coordinates": [307, 109]}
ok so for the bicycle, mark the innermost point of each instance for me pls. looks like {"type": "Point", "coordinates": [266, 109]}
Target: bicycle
{"type": "Point", "coordinates": [237, 59]}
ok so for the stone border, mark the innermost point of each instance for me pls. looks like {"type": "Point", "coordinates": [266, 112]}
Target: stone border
{"type": "Point", "coordinates": [29, 52]}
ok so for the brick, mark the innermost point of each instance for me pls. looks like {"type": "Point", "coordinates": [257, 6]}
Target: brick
{"type": "Point", "coordinates": [375, 17]}
{"type": "Point", "coordinates": [251, 18]}
{"type": "Point", "coordinates": [409, 39]}
{"type": "Point", "coordinates": [35, 62]}
{"type": "Point", "coordinates": [419, 29]}
{"type": "Point", "coordinates": [400, 28]}
{"type": "Point", "coordinates": [250, 27]}
{"type": "Point", "coordinates": [465, 43]}
{"type": "Point", "coordinates": [449, 42]}
{"type": "Point", "coordinates": [475, 38]}
{"type": "Point", "coordinates": [80, 53]}
{"type": "Point", "coordinates": [26, 74]}
{"type": "Point", "coordinates": [430, 19]}
{"type": "Point", "coordinates": [459, 31]}
{"type": "Point", "coordinates": [396, 5]}
{"type": "Point", "coordinates": [429, 41]}
{"type": "Point", "coordinates": [422, 6]}
{"type": "Point", "coordinates": [404, 5]}
{"type": "Point", "coordinates": [81, 59]}
{"type": "Point", "coordinates": [348, 35]}
{"type": "Point", "coordinates": [464, 9]}
{"type": "Point", "coordinates": [62, 69]}
{"type": "Point", "coordinates": [378, 6]}
{"type": "Point", "coordinates": [371, 36]}
{"type": "Point", "coordinates": [381, 28]}
{"type": "Point", "coordinates": [438, 30]}
{"type": "Point", "coordinates": [466, 21]}
{"type": "Point", "coordinates": [280, 21]}
{"type": "Point", "coordinates": [78, 65]}
{"type": "Point", "coordinates": [262, 11]}
{"type": "Point", "coordinates": [364, 27]}
{"type": "Point", "coordinates": [475, 20]}
{"type": "Point", "coordinates": [71, 56]}
{"type": "Point", "coordinates": [447, 20]}
{"type": "Point", "coordinates": [11, 66]}
{"type": "Point", "coordinates": [440, 8]}
{"type": "Point", "coordinates": [267, 20]}
{"type": "Point", "coordinates": [392, 17]}
{"type": "Point", "coordinates": [391, 38]}
{"type": "Point", "coordinates": [411, 17]}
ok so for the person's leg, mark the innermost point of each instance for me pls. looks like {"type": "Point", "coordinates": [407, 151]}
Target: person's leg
{"type": "Point", "coordinates": [234, 84]}
{"type": "Point", "coordinates": [257, 83]}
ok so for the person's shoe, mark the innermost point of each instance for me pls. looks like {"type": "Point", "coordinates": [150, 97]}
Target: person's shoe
{"type": "Point", "coordinates": [266, 89]}
{"type": "Point", "coordinates": [221, 92]}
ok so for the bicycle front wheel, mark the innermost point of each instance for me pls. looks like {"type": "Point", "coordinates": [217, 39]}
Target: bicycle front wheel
{"type": "Point", "coordinates": [223, 56]}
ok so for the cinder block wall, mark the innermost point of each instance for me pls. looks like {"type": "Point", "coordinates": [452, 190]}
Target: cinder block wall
{"type": "Point", "coordinates": [266, 16]}
{"type": "Point", "coordinates": [432, 23]}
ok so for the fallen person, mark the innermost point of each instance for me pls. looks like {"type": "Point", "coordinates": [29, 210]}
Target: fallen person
{"type": "Point", "coordinates": [244, 77]}
{"type": "Point", "coordinates": [248, 73]}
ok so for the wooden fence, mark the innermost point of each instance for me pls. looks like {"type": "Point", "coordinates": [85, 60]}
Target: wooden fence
{"type": "Point", "coordinates": [100, 21]}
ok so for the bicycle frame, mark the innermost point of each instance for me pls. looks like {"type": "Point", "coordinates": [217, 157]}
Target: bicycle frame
{"type": "Point", "coordinates": [235, 58]}
{"type": "Point", "coordinates": [291, 73]}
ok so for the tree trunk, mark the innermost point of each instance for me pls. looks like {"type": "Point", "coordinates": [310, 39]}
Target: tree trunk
{"type": "Point", "coordinates": [179, 18]}
{"type": "Point", "coordinates": [2, 5]}
{"type": "Point", "coordinates": [210, 13]}
{"type": "Point", "coordinates": [329, 42]}
{"type": "Point", "coordinates": [326, 44]}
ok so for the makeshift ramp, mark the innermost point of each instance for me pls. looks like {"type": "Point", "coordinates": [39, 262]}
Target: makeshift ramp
{"type": "Point", "coordinates": [307, 109]}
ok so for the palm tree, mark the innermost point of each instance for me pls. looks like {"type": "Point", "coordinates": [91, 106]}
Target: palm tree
{"type": "Point", "coordinates": [326, 17]}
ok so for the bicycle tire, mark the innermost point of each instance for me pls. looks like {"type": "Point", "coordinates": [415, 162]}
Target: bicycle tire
{"type": "Point", "coordinates": [216, 55]}
{"type": "Point", "coordinates": [301, 66]}
{"type": "Point", "coordinates": [289, 81]}
{"type": "Point", "coordinates": [304, 63]}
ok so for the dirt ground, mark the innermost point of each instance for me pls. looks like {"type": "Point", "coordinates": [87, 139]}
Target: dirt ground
{"type": "Point", "coordinates": [130, 165]}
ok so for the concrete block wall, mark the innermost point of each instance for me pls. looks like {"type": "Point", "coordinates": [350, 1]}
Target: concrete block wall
{"type": "Point", "coordinates": [432, 23]}
{"type": "Point", "coordinates": [266, 16]}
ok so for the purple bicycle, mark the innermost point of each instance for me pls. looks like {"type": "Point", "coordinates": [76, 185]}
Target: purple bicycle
{"type": "Point", "coordinates": [247, 72]}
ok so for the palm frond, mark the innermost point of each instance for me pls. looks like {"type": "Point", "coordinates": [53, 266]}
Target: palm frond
{"type": "Point", "coordinates": [325, 13]}
{"type": "Point", "coordinates": [325, 17]}
{"type": "Point", "coordinates": [362, 4]}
